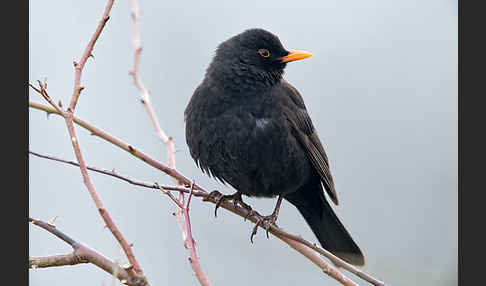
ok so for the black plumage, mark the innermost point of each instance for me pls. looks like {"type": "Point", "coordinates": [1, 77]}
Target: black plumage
{"type": "Point", "coordinates": [248, 127]}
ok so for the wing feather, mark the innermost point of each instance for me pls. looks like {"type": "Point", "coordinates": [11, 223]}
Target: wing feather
{"type": "Point", "coordinates": [307, 136]}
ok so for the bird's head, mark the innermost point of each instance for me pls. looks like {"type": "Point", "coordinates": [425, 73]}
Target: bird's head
{"type": "Point", "coordinates": [255, 53]}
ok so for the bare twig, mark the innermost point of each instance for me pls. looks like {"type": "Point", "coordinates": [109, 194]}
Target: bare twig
{"type": "Point", "coordinates": [86, 54]}
{"type": "Point", "coordinates": [42, 91]}
{"type": "Point", "coordinates": [144, 93]}
{"type": "Point", "coordinates": [184, 221]}
{"type": "Point", "coordinates": [117, 142]}
{"type": "Point", "coordinates": [317, 260]}
{"type": "Point", "coordinates": [112, 173]}
{"type": "Point", "coordinates": [296, 242]}
{"type": "Point", "coordinates": [182, 214]}
{"type": "Point", "coordinates": [169, 194]}
{"type": "Point", "coordinates": [80, 254]}
{"type": "Point", "coordinates": [127, 248]}
{"type": "Point", "coordinates": [58, 260]}
{"type": "Point", "coordinates": [68, 117]}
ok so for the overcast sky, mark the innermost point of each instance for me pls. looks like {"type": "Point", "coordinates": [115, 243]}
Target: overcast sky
{"type": "Point", "coordinates": [381, 89]}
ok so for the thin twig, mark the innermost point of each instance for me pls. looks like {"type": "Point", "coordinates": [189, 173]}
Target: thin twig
{"type": "Point", "coordinates": [296, 242]}
{"type": "Point", "coordinates": [42, 91]}
{"type": "Point", "coordinates": [169, 194]}
{"type": "Point", "coordinates": [127, 248]}
{"type": "Point", "coordinates": [86, 54]}
{"type": "Point", "coordinates": [182, 214]}
{"type": "Point", "coordinates": [189, 243]}
{"type": "Point", "coordinates": [68, 117]}
{"type": "Point", "coordinates": [81, 254]}
{"type": "Point", "coordinates": [203, 193]}
{"type": "Point", "coordinates": [144, 93]}
{"type": "Point", "coordinates": [117, 142]}
{"type": "Point", "coordinates": [112, 173]}
{"type": "Point", "coordinates": [317, 260]}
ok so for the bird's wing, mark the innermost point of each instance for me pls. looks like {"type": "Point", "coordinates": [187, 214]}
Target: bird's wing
{"type": "Point", "coordinates": [297, 115]}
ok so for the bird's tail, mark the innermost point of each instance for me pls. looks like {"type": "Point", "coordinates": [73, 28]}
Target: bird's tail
{"type": "Point", "coordinates": [330, 232]}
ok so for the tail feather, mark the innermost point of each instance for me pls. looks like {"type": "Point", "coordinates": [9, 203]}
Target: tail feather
{"type": "Point", "coordinates": [330, 232]}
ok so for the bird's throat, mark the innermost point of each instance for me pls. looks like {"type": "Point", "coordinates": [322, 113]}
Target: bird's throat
{"type": "Point", "coordinates": [243, 78]}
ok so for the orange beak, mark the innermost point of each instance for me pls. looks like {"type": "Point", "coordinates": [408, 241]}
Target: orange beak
{"type": "Point", "coordinates": [295, 55]}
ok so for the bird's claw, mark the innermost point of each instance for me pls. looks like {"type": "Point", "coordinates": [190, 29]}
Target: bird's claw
{"type": "Point", "coordinates": [219, 198]}
{"type": "Point", "coordinates": [214, 194]}
{"type": "Point", "coordinates": [250, 213]}
{"type": "Point", "coordinates": [265, 222]}
{"type": "Point", "coordinates": [218, 203]}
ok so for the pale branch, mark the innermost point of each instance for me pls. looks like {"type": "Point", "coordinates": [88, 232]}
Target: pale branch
{"type": "Point", "coordinates": [182, 214]}
{"type": "Point", "coordinates": [296, 242]}
{"type": "Point", "coordinates": [165, 189]}
{"type": "Point", "coordinates": [127, 247]}
{"type": "Point", "coordinates": [112, 173]}
{"type": "Point", "coordinates": [81, 254]}
{"type": "Point", "coordinates": [302, 246]}
{"type": "Point", "coordinates": [52, 229]}
{"type": "Point", "coordinates": [317, 260]}
{"type": "Point", "coordinates": [56, 260]}
{"type": "Point", "coordinates": [86, 54]}
{"type": "Point", "coordinates": [184, 221]}
{"type": "Point", "coordinates": [68, 117]}
{"type": "Point", "coordinates": [119, 143]}
{"type": "Point", "coordinates": [42, 91]}
{"type": "Point", "coordinates": [169, 194]}
{"type": "Point", "coordinates": [144, 93]}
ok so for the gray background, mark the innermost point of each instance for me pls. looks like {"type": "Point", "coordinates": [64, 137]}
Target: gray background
{"type": "Point", "coordinates": [381, 89]}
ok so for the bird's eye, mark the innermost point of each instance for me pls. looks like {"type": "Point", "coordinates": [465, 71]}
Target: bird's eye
{"type": "Point", "coordinates": [264, 53]}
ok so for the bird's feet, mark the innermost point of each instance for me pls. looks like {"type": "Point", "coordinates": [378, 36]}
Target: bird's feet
{"type": "Point", "coordinates": [236, 198]}
{"type": "Point", "coordinates": [265, 222]}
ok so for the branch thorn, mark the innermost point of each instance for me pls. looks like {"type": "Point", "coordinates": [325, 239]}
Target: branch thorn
{"type": "Point", "coordinates": [127, 266]}
{"type": "Point", "coordinates": [52, 221]}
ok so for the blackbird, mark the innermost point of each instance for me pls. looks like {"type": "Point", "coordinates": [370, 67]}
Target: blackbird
{"type": "Point", "coordinates": [248, 127]}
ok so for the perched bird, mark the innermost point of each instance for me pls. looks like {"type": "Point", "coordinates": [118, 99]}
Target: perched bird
{"type": "Point", "coordinates": [248, 127]}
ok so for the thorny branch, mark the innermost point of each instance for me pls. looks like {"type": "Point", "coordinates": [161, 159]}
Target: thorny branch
{"type": "Point", "coordinates": [182, 214]}
{"type": "Point", "coordinates": [80, 254]}
{"type": "Point", "coordinates": [112, 173]}
{"type": "Point", "coordinates": [296, 242]}
{"type": "Point", "coordinates": [68, 115]}
{"type": "Point", "coordinates": [181, 179]}
{"type": "Point", "coordinates": [187, 243]}
{"type": "Point", "coordinates": [144, 93]}
{"type": "Point", "coordinates": [86, 54]}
